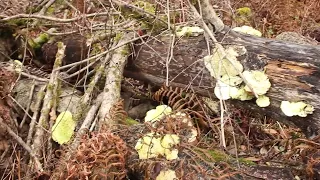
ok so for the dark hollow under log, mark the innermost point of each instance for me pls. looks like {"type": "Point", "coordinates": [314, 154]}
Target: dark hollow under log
{"type": "Point", "coordinates": [294, 71]}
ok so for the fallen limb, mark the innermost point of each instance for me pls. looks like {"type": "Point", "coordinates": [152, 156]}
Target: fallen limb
{"type": "Point", "coordinates": [40, 136]}
{"type": "Point", "coordinates": [292, 69]}
{"type": "Point", "coordinates": [111, 92]}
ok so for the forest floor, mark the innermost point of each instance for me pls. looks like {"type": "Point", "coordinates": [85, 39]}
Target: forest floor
{"type": "Point", "coordinates": [256, 147]}
{"type": "Point", "coordinates": [273, 17]}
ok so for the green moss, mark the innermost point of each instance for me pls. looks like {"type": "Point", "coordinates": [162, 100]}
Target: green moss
{"type": "Point", "coordinates": [125, 51]}
{"type": "Point", "coordinates": [59, 92]}
{"type": "Point", "coordinates": [154, 26]}
{"type": "Point", "coordinates": [218, 156]}
{"type": "Point", "coordinates": [244, 11]}
{"type": "Point", "coordinates": [45, 111]}
{"type": "Point", "coordinates": [101, 83]}
{"type": "Point", "coordinates": [37, 42]}
{"type": "Point", "coordinates": [33, 44]}
{"type": "Point", "coordinates": [118, 37]}
{"type": "Point", "coordinates": [60, 44]}
{"type": "Point", "coordinates": [194, 2]}
{"type": "Point", "coordinates": [50, 10]}
{"type": "Point", "coordinates": [40, 94]}
{"type": "Point", "coordinates": [50, 87]}
{"type": "Point", "coordinates": [32, 9]}
{"type": "Point", "coordinates": [247, 162]}
{"type": "Point", "coordinates": [42, 38]}
{"type": "Point", "coordinates": [243, 15]}
{"type": "Point", "coordinates": [80, 111]}
{"type": "Point", "coordinates": [129, 121]}
{"type": "Point", "coordinates": [43, 123]}
{"type": "Point", "coordinates": [183, 94]}
{"type": "Point", "coordinates": [146, 6]}
{"type": "Point", "coordinates": [147, 22]}
{"type": "Point", "coordinates": [18, 22]}
{"type": "Point", "coordinates": [95, 49]}
{"type": "Point", "coordinates": [213, 155]}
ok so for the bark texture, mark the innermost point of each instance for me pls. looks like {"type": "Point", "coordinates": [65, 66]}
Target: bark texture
{"type": "Point", "coordinates": [293, 69]}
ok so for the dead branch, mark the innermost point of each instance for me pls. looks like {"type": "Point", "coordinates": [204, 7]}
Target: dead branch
{"type": "Point", "coordinates": [113, 73]}
{"type": "Point", "coordinates": [293, 70]}
{"type": "Point", "coordinates": [47, 104]}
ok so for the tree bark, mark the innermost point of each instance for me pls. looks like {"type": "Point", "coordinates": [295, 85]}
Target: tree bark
{"type": "Point", "coordinates": [293, 70]}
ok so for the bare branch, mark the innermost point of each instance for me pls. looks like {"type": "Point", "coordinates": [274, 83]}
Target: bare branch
{"type": "Point", "coordinates": [23, 144]}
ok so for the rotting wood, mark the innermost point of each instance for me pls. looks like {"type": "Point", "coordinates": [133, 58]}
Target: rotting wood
{"type": "Point", "coordinates": [294, 71]}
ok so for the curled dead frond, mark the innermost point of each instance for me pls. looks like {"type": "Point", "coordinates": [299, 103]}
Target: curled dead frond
{"type": "Point", "coordinates": [7, 79]}
{"type": "Point", "coordinates": [13, 7]}
{"type": "Point", "coordinates": [309, 151]}
{"type": "Point", "coordinates": [101, 156]}
{"type": "Point", "coordinates": [313, 167]}
{"type": "Point", "coordinates": [117, 112]}
{"type": "Point", "coordinates": [178, 99]}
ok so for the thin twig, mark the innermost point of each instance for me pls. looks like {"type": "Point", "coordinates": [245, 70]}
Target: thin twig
{"type": "Point", "coordinates": [80, 71]}
{"type": "Point", "coordinates": [23, 144]}
{"type": "Point", "coordinates": [28, 105]}
{"type": "Point", "coordinates": [120, 2]}
{"type": "Point", "coordinates": [86, 124]}
{"type": "Point", "coordinates": [46, 6]}
{"type": "Point", "coordinates": [34, 77]}
{"type": "Point", "coordinates": [49, 18]}
{"type": "Point", "coordinates": [40, 96]}
{"type": "Point", "coordinates": [169, 58]}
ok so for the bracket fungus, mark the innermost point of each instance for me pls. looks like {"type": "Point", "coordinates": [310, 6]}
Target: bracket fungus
{"type": "Point", "coordinates": [296, 108]}
{"type": "Point", "coordinates": [248, 30]}
{"type": "Point", "coordinates": [63, 127]}
{"type": "Point", "coordinates": [153, 145]}
{"type": "Point", "coordinates": [189, 31]}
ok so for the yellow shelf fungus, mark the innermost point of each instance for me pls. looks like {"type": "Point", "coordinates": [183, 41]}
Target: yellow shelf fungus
{"type": "Point", "coordinates": [224, 91]}
{"type": "Point", "coordinates": [296, 108]}
{"type": "Point", "coordinates": [153, 145]}
{"type": "Point", "coordinates": [263, 101]}
{"type": "Point", "coordinates": [219, 63]}
{"type": "Point", "coordinates": [154, 115]}
{"type": "Point", "coordinates": [189, 31]}
{"type": "Point", "coordinates": [258, 81]}
{"type": "Point", "coordinates": [167, 175]}
{"type": "Point", "coordinates": [63, 128]}
{"type": "Point", "coordinates": [248, 30]}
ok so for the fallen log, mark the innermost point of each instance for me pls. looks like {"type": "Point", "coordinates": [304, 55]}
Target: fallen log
{"type": "Point", "coordinates": [293, 70]}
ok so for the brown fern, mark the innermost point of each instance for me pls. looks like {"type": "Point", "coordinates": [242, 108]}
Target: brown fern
{"type": "Point", "coordinates": [180, 100]}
